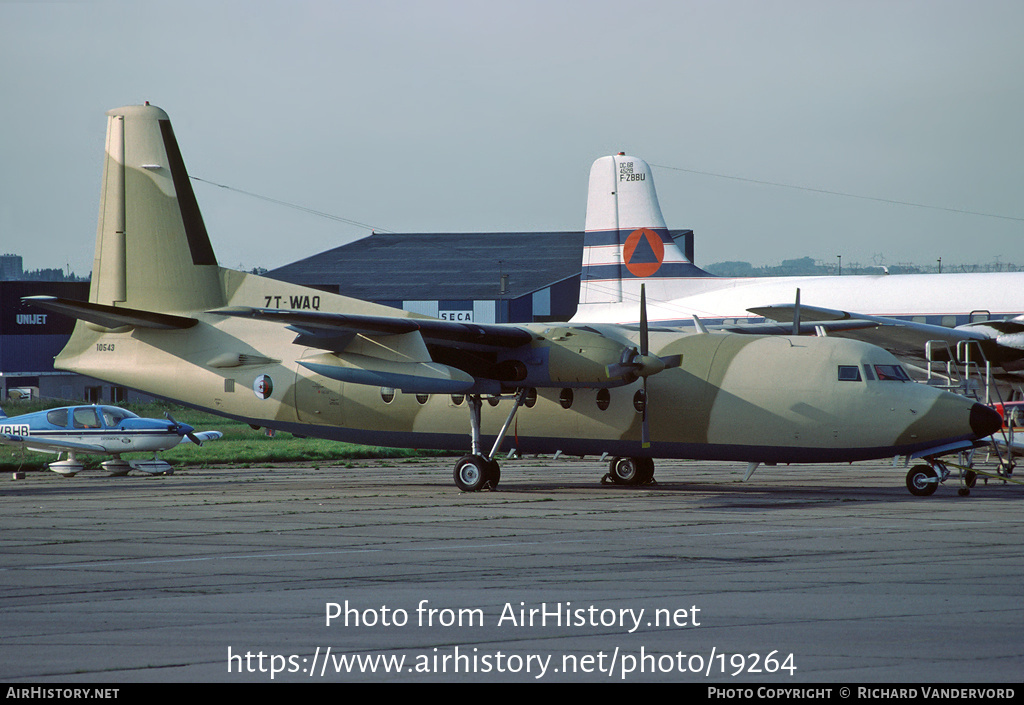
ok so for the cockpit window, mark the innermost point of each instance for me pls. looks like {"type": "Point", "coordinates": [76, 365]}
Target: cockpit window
{"type": "Point", "coordinates": [849, 373]}
{"type": "Point", "coordinates": [113, 415]}
{"type": "Point", "coordinates": [891, 373]}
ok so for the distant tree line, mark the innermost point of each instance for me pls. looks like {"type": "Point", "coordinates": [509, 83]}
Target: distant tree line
{"type": "Point", "coordinates": [54, 274]}
{"type": "Point", "coordinates": [807, 266]}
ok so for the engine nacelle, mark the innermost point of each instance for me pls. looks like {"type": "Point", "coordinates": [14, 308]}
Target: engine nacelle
{"type": "Point", "coordinates": [572, 357]}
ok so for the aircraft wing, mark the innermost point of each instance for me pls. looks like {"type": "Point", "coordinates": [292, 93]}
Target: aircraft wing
{"type": "Point", "coordinates": [898, 336]}
{"type": "Point", "coordinates": [416, 355]}
{"type": "Point", "coordinates": [331, 331]}
{"type": "Point", "coordinates": [201, 436]}
{"type": "Point", "coordinates": [49, 445]}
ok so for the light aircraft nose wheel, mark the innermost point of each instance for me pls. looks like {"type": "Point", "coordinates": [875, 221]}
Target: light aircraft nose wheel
{"type": "Point", "coordinates": [922, 481]}
{"type": "Point", "coordinates": [474, 473]}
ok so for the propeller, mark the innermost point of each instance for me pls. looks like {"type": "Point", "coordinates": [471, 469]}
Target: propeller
{"type": "Point", "coordinates": [639, 363]}
{"type": "Point", "coordinates": [183, 429]}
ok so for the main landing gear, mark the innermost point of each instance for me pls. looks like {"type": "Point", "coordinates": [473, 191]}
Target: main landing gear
{"type": "Point", "coordinates": [630, 471]}
{"type": "Point", "coordinates": [476, 471]}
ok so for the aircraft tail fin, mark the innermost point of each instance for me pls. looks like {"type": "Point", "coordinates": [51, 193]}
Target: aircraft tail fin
{"type": "Point", "coordinates": [152, 249]}
{"type": "Point", "coordinates": [627, 242]}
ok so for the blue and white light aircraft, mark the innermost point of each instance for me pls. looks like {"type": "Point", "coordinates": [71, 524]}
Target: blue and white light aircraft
{"type": "Point", "coordinates": [101, 430]}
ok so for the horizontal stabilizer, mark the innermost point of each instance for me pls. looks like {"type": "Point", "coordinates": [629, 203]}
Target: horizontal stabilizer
{"type": "Point", "coordinates": [110, 316]}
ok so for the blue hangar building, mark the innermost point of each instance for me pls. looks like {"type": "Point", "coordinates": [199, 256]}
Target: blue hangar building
{"type": "Point", "coordinates": [481, 277]}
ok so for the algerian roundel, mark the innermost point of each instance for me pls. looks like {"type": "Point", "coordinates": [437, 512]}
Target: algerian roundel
{"type": "Point", "coordinates": [643, 252]}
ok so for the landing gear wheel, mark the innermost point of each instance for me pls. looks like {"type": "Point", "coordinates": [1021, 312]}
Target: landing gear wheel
{"type": "Point", "coordinates": [631, 471]}
{"type": "Point", "coordinates": [922, 481]}
{"type": "Point", "coordinates": [493, 474]}
{"type": "Point", "coordinates": [646, 470]}
{"type": "Point", "coordinates": [473, 473]}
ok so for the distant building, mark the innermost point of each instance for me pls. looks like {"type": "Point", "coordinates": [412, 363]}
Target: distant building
{"type": "Point", "coordinates": [11, 268]}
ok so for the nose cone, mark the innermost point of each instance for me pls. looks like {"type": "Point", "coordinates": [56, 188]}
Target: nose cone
{"type": "Point", "coordinates": [985, 420]}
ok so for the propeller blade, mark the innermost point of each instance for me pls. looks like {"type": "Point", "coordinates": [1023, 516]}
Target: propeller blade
{"type": "Point", "coordinates": [645, 429]}
{"type": "Point", "coordinates": [184, 429]}
{"type": "Point", "coordinates": [796, 314]}
{"type": "Point", "coordinates": [644, 349]}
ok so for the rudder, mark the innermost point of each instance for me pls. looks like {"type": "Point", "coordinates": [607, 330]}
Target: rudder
{"type": "Point", "coordinates": [152, 249]}
{"type": "Point", "coordinates": [626, 242]}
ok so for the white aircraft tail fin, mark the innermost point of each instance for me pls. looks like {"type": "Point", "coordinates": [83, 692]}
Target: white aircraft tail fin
{"type": "Point", "coordinates": [627, 242]}
{"type": "Point", "coordinates": [152, 249]}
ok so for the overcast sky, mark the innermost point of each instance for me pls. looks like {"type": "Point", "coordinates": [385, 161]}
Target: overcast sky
{"type": "Point", "coordinates": [438, 116]}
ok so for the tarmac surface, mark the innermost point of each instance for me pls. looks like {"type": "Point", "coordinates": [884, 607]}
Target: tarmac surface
{"type": "Point", "coordinates": [384, 571]}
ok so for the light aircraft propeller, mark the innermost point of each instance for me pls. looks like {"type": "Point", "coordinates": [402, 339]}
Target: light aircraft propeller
{"type": "Point", "coordinates": [183, 429]}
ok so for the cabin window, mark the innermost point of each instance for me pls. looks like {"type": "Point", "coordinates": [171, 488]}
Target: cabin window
{"type": "Point", "coordinates": [58, 417]}
{"type": "Point", "coordinates": [891, 373]}
{"type": "Point", "coordinates": [85, 417]}
{"type": "Point", "coordinates": [387, 394]}
{"type": "Point", "coordinates": [493, 399]}
{"type": "Point", "coordinates": [457, 399]}
{"type": "Point", "coordinates": [565, 398]}
{"type": "Point", "coordinates": [531, 398]}
{"type": "Point", "coordinates": [849, 373]}
{"type": "Point", "coordinates": [422, 398]}
{"type": "Point", "coordinates": [604, 398]}
{"type": "Point", "coordinates": [639, 401]}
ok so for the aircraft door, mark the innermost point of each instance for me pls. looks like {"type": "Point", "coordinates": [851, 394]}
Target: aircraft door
{"type": "Point", "coordinates": [318, 399]}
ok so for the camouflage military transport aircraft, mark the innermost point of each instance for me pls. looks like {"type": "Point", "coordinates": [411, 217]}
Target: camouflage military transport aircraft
{"type": "Point", "coordinates": [164, 318]}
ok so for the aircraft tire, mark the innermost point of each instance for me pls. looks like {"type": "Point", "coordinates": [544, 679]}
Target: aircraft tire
{"type": "Point", "coordinates": [493, 474]}
{"type": "Point", "coordinates": [646, 470]}
{"type": "Point", "coordinates": [630, 471]}
{"type": "Point", "coordinates": [970, 478]}
{"type": "Point", "coordinates": [473, 473]}
{"type": "Point", "coordinates": [921, 481]}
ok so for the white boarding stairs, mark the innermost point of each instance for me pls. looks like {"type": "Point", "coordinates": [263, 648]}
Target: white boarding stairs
{"type": "Point", "coordinates": [974, 377]}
